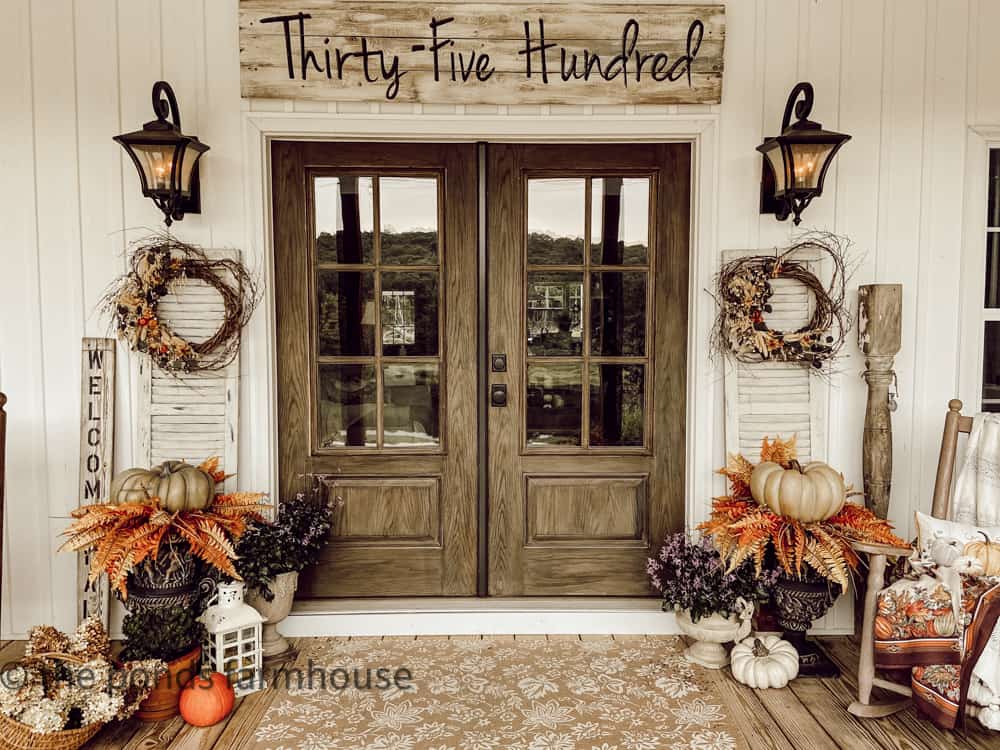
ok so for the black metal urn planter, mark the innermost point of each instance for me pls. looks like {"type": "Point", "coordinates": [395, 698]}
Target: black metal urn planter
{"type": "Point", "coordinates": [799, 604]}
{"type": "Point", "coordinates": [169, 580]}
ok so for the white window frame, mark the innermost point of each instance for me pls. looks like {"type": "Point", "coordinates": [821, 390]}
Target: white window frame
{"type": "Point", "coordinates": [974, 312]}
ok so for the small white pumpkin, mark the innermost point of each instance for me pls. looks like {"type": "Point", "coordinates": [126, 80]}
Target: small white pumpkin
{"type": "Point", "coordinates": [764, 662]}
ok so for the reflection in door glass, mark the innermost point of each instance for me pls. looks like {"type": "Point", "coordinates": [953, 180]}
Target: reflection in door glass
{"type": "Point", "coordinates": [619, 233]}
{"type": "Point", "coordinates": [991, 366]}
{"type": "Point", "coordinates": [409, 220]}
{"type": "Point", "coordinates": [555, 313]}
{"type": "Point", "coordinates": [410, 313]}
{"type": "Point", "coordinates": [616, 396]}
{"type": "Point", "coordinates": [410, 413]}
{"type": "Point", "coordinates": [554, 404]}
{"type": "Point", "coordinates": [556, 221]}
{"type": "Point", "coordinates": [345, 219]}
{"type": "Point", "coordinates": [346, 307]}
{"type": "Point", "coordinates": [346, 415]}
{"type": "Point", "coordinates": [618, 313]}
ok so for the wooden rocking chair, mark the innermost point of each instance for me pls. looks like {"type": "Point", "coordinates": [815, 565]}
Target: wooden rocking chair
{"type": "Point", "coordinates": [954, 423]}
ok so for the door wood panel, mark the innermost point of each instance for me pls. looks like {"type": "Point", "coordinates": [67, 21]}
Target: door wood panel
{"type": "Point", "coordinates": [571, 509]}
{"type": "Point", "coordinates": [580, 519]}
{"type": "Point", "coordinates": [408, 525]}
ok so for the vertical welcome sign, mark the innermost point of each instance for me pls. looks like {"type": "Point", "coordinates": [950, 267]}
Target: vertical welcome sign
{"type": "Point", "coordinates": [97, 442]}
{"type": "Point", "coordinates": [493, 53]}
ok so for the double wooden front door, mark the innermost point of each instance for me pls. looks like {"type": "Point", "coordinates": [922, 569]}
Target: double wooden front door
{"type": "Point", "coordinates": [377, 267]}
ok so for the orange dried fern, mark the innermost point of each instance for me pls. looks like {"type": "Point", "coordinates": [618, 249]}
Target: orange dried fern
{"type": "Point", "coordinates": [124, 536]}
{"type": "Point", "coordinates": [742, 529]}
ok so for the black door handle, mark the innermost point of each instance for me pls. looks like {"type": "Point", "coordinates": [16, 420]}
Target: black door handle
{"type": "Point", "coordinates": [498, 394]}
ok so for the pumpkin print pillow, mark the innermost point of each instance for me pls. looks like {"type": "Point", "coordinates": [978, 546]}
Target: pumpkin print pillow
{"type": "Point", "coordinates": [970, 544]}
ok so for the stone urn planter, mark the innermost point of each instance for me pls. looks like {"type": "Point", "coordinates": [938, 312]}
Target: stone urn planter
{"type": "Point", "coordinates": [275, 645]}
{"type": "Point", "coordinates": [798, 604]}
{"type": "Point", "coordinates": [711, 632]}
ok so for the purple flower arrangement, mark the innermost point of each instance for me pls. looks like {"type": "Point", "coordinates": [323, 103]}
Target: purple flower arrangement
{"type": "Point", "coordinates": [691, 575]}
{"type": "Point", "coordinates": [292, 542]}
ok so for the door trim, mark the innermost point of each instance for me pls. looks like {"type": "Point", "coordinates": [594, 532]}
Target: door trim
{"type": "Point", "coordinates": [258, 356]}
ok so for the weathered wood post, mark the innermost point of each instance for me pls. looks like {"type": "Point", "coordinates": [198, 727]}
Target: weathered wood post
{"type": "Point", "coordinates": [880, 337]}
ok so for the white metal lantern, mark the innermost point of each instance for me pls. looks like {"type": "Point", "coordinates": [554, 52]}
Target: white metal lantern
{"type": "Point", "coordinates": [233, 639]}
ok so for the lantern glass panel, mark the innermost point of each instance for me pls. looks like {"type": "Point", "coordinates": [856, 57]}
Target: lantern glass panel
{"type": "Point", "coordinates": [777, 162]}
{"type": "Point", "coordinates": [188, 159]}
{"type": "Point", "coordinates": [157, 163]}
{"type": "Point", "coordinates": [809, 160]}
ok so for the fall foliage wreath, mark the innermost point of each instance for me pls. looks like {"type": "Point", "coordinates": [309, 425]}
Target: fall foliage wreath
{"type": "Point", "coordinates": [157, 264]}
{"type": "Point", "coordinates": [744, 294]}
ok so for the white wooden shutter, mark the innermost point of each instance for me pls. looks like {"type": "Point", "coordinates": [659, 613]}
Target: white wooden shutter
{"type": "Point", "coordinates": [777, 399]}
{"type": "Point", "coordinates": [781, 399]}
{"type": "Point", "coordinates": [189, 416]}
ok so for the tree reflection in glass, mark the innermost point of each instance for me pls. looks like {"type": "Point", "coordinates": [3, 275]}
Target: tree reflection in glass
{"type": "Point", "coordinates": [554, 400]}
{"type": "Point", "coordinates": [616, 401]}
{"type": "Point", "coordinates": [345, 219]}
{"type": "Point", "coordinates": [346, 415]}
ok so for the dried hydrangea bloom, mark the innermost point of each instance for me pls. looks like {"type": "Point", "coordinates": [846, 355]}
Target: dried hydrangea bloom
{"type": "Point", "coordinates": [19, 688]}
{"type": "Point", "coordinates": [134, 683]}
{"type": "Point", "coordinates": [45, 639]}
{"type": "Point", "coordinates": [45, 716]}
{"type": "Point", "coordinates": [100, 707]}
{"type": "Point", "coordinates": [90, 641]}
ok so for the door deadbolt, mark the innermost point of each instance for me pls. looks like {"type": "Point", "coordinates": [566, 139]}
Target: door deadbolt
{"type": "Point", "coordinates": [498, 394]}
{"type": "Point", "coordinates": [498, 362]}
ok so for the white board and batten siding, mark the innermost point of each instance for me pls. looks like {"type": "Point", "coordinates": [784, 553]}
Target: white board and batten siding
{"type": "Point", "coordinates": [189, 416]}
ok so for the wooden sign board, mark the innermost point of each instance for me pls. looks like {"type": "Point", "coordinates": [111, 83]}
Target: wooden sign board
{"type": "Point", "coordinates": [97, 450]}
{"type": "Point", "coordinates": [482, 53]}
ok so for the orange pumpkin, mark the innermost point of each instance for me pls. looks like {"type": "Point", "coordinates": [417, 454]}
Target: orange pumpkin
{"type": "Point", "coordinates": [883, 627]}
{"type": "Point", "coordinates": [207, 700]}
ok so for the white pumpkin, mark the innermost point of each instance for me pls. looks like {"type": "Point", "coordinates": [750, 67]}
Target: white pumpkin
{"type": "Point", "coordinates": [813, 492]}
{"type": "Point", "coordinates": [764, 662]}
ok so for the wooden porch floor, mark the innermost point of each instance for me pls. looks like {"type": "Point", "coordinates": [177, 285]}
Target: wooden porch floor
{"type": "Point", "coordinates": [809, 714]}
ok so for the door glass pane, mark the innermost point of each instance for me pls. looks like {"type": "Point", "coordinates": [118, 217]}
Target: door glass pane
{"type": "Point", "coordinates": [992, 269]}
{"type": "Point", "coordinates": [554, 404]}
{"type": "Point", "coordinates": [556, 221]}
{"type": "Point", "coordinates": [616, 396]}
{"type": "Point", "coordinates": [991, 367]}
{"type": "Point", "coordinates": [410, 413]}
{"type": "Point", "coordinates": [618, 313]}
{"type": "Point", "coordinates": [346, 415]}
{"type": "Point", "coordinates": [346, 312]}
{"type": "Point", "coordinates": [619, 221]}
{"type": "Point", "coordinates": [409, 220]}
{"type": "Point", "coordinates": [345, 219]}
{"type": "Point", "coordinates": [993, 199]}
{"type": "Point", "coordinates": [555, 313]}
{"type": "Point", "coordinates": [410, 313]}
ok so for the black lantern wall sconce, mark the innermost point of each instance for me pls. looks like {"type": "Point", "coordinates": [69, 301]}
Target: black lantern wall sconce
{"type": "Point", "coordinates": [796, 162]}
{"type": "Point", "coordinates": [166, 159]}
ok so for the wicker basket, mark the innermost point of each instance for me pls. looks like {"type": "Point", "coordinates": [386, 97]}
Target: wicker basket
{"type": "Point", "coordinates": [18, 736]}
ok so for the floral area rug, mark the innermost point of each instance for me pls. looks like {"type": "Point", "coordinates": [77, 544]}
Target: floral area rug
{"type": "Point", "coordinates": [495, 694]}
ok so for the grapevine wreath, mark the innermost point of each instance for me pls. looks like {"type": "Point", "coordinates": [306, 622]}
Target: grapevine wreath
{"type": "Point", "coordinates": [156, 265]}
{"type": "Point", "coordinates": [744, 291]}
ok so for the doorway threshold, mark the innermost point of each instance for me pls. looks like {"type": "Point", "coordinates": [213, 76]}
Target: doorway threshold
{"type": "Point", "coordinates": [479, 616]}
